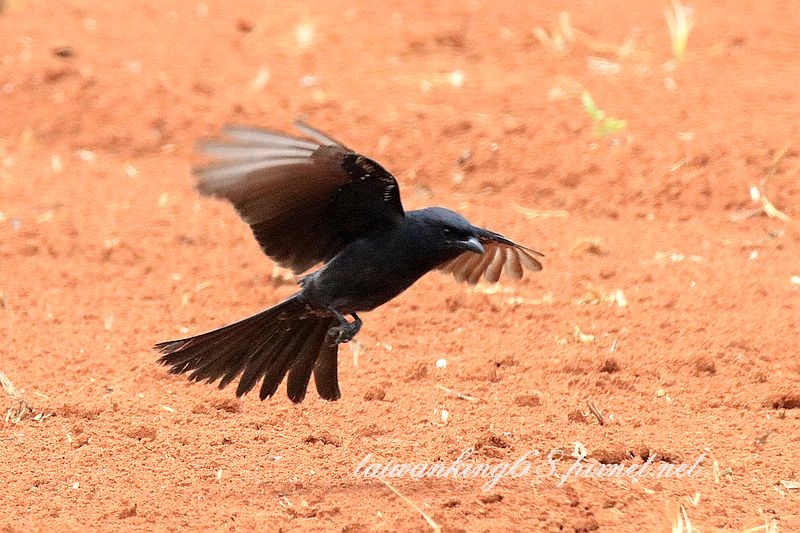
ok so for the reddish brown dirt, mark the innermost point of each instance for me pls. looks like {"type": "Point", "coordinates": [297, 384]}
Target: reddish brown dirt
{"type": "Point", "coordinates": [105, 249]}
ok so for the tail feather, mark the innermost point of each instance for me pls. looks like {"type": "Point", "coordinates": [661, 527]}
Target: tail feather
{"type": "Point", "coordinates": [260, 361]}
{"type": "Point", "coordinates": [213, 360]}
{"type": "Point", "coordinates": [326, 372]}
{"type": "Point", "coordinates": [190, 353]}
{"type": "Point", "coordinates": [284, 357]}
{"type": "Point", "coordinates": [233, 363]}
{"type": "Point", "coordinates": [238, 364]}
{"type": "Point", "coordinates": [303, 365]}
{"type": "Point", "coordinates": [263, 347]}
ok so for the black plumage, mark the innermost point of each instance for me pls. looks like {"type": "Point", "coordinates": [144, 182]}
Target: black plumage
{"type": "Point", "coordinates": [311, 201]}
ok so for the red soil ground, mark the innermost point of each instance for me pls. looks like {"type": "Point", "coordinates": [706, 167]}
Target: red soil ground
{"type": "Point", "coordinates": [668, 299]}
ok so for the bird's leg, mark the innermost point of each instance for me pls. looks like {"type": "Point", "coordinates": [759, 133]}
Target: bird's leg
{"type": "Point", "coordinates": [344, 331]}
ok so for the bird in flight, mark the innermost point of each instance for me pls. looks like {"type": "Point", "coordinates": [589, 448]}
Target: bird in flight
{"type": "Point", "coordinates": [312, 201]}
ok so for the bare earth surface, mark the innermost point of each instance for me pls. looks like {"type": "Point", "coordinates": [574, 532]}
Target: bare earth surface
{"type": "Point", "coordinates": [669, 299]}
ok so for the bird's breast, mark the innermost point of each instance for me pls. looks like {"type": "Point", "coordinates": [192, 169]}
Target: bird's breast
{"type": "Point", "coordinates": [367, 274]}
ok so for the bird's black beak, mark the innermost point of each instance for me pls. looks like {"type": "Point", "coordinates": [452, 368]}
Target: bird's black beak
{"type": "Point", "coordinates": [473, 245]}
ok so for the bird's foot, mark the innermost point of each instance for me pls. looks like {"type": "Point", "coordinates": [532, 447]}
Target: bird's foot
{"type": "Point", "coordinates": [344, 331]}
{"type": "Point", "coordinates": [342, 334]}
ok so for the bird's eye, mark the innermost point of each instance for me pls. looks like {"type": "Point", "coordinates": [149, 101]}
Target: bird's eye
{"type": "Point", "coordinates": [447, 231]}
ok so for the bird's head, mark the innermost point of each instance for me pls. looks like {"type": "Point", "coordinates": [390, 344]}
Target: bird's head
{"type": "Point", "coordinates": [455, 231]}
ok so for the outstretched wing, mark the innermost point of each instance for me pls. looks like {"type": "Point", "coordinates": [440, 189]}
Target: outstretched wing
{"type": "Point", "coordinates": [500, 255]}
{"type": "Point", "coordinates": [304, 199]}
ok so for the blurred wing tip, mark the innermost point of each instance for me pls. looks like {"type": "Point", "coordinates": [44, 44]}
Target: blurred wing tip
{"type": "Point", "coordinates": [241, 136]}
{"type": "Point", "coordinates": [205, 184]}
{"type": "Point", "coordinates": [312, 132]}
{"type": "Point", "coordinates": [492, 237]}
{"type": "Point", "coordinates": [532, 251]}
{"type": "Point", "coordinates": [520, 247]}
{"type": "Point", "coordinates": [533, 254]}
{"type": "Point", "coordinates": [529, 261]}
{"type": "Point", "coordinates": [501, 260]}
{"type": "Point", "coordinates": [243, 131]}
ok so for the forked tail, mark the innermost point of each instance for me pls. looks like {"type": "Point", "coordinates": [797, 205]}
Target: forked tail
{"type": "Point", "coordinates": [265, 347]}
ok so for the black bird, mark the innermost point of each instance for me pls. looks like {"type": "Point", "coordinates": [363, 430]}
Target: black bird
{"type": "Point", "coordinates": [310, 201]}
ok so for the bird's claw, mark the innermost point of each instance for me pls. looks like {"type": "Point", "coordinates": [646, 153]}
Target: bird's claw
{"type": "Point", "coordinates": [343, 332]}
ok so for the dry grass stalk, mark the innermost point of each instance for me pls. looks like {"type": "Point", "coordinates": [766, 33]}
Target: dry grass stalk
{"type": "Point", "coordinates": [19, 409]}
{"type": "Point", "coordinates": [434, 526]}
{"type": "Point", "coordinates": [457, 394]}
{"type": "Point", "coordinates": [596, 412]}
